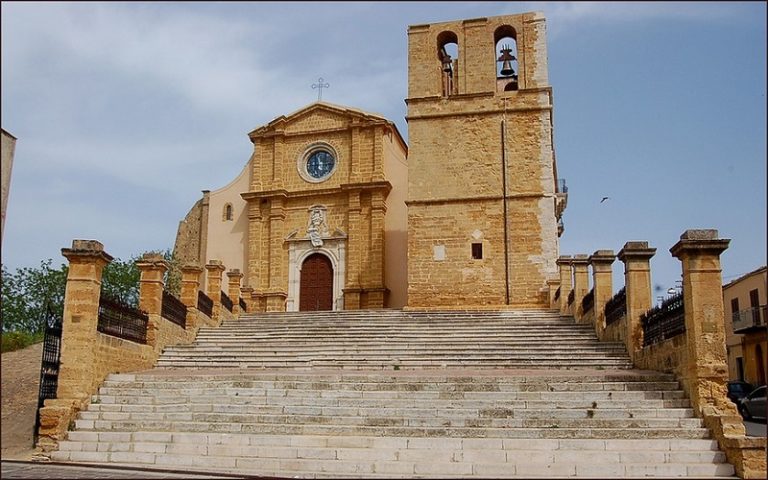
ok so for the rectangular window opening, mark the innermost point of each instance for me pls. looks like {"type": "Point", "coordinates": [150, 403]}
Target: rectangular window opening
{"type": "Point", "coordinates": [477, 251]}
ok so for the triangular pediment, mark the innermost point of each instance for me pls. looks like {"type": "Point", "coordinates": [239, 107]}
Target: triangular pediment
{"type": "Point", "coordinates": [318, 117]}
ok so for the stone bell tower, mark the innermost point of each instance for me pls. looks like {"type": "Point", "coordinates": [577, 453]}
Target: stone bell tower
{"type": "Point", "coordinates": [484, 201]}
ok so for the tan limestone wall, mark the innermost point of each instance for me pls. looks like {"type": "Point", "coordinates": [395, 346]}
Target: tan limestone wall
{"type": "Point", "coordinates": [228, 239]}
{"type": "Point", "coordinates": [396, 223]}
{"type": "Point", "coordinates": [7, 150]}
{"type": "Point", "coordinates": [616, 331]}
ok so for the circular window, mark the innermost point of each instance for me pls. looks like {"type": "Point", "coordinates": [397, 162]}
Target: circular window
{"type": "Point", "coordinates": [317, 163]}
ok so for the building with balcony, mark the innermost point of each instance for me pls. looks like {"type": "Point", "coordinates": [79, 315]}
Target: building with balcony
{"type": "Point", "coordinates": [744, 300]}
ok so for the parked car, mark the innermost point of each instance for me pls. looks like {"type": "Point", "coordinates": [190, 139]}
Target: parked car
{"type": "Point", "coordinates": [753, 405]}
{"type": "Point", "coordinates": [738, 389]}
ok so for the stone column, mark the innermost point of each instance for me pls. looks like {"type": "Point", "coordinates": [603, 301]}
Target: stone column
{"type": "Point", "coordinates": [566, 282]}
{"type": "Point", "coordinates": [580, 284]}
{"type": "Point", "coordinates": [233, 291]}
{"type": "Point", "coordinates": [77, 374]}
{"type": "Point", "coordinates": [246, 294]}
{"type": "Point", "coordinates": [152, 267]}
{"type": "Point", "coordinates": [278, 263]}
{"type": "Point", "coordinates": [190, 285]}
{"type": "Point", "coordinates": [552, 286]}
{"type": "Point", "coordinates": [707, 372]}
{"type": "Point", "coordinates": [215, 269]}
{"type": "Point", "coordinates": [602, 282]}
{"type": "Point", "coordinates": [636, 257]}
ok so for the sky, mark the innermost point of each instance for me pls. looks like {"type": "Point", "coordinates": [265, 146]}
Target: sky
{"type": "Point", "coordinates": [125, 112]}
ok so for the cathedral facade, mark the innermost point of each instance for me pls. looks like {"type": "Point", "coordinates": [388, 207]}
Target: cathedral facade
{"type": "Point", "coordinates": [333, 211]}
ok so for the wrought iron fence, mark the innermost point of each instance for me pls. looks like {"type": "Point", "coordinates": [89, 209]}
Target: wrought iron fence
{"type": "Point", "coordinates": [204, 303]}
{"type": "Point", "coordinates": [49, 365]}
{"type": "Point", "coordinates": [616, 307]}
{"type": "Point", "coordinates": [226, 301]}
{"type": "Point", "coordinates": [557, 294]}
{"type": "Point", "coordinates": [122, 321]}
{"type": "Point", "coordinates": [243, 306]}
{"type": "Point", "coordinates": [561, 186]}
{"type": "Point", "coordinates": [174, 310]}
{"type": "Point", "coordinates": [571, 297]}
{"type": "Point", "coordinates": [664, 321]}
{"type": "Point", "coordinates": [746, 319]}
{"type": "Point", "coordinates": [588, 302]}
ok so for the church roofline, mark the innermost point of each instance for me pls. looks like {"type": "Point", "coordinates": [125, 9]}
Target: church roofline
{"type": "Point", "coordinates": [341, 109]}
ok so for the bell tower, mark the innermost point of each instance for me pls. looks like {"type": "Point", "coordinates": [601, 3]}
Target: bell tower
{"type": "Point", "coordinates": [484, 201]}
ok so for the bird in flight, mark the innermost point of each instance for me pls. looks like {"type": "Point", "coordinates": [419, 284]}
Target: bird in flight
{"type": "Point", "coordinates": [604, 199]}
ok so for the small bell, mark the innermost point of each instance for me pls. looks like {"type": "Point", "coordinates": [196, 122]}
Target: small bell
{"type": "Point", "coordinates": [447, 63]}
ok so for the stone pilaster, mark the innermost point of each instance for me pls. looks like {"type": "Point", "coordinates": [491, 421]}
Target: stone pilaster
{"type": "Point", "coordinates": [376, 290]}
{"type": "Point", "coordinates": [152, 268]}
{"type": "Point", "coordinates": [190, 285]}
{"type": "Point", "coordinates": [566, 282]}
{"type": "Point", "coordinates": [602, 283]}
{"type": "Point", "coordinates": [552, 286]}
{"type": "Point", "coordinates": [580, 284]}
{"type": "Point", "coordinates": [699, 252]}
{"type": "Point", "coordinates": [215, 269]}
{"type": "Point", "coordinates": [235, 277]}
{"type": "Point", "coordinates": [87, 260]}
{"type": "Point", "coordinates": [636, 257]}
{"type": "Point", "coordinates": [246, 294]}
{"type": "Point", "coordinates": [77, 374]}
{"type": "Point", "coordinates": [276, 295]}
{"type": "Point", "coordinates": [353, 287]}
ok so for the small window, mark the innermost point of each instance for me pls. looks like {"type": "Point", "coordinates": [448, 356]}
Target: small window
{"type": "Point", "coordinates": [477, 251]}
{"type": "Point", "coordinates": [228, 212]}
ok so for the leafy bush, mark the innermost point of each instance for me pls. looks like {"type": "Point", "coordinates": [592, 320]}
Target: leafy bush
{"type": "Point", "coordinates": [17, 340]}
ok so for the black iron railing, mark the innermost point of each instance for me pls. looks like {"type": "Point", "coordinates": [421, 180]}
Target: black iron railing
{"type": "Point", "coordinates": [204, 303]}
{"type": "Point", "coordinates": [561, 186]}
{"type": "Point", "coordinates": [226, 301]}
{"type": "Point", "coordinates": [243, 306]}
{"type": "Point", "coordinates": [664, 321]}
{"type": "Point", "coordinates": [747, 319]}
{"type": "Point", "coordinates": [557, 294]}
{"type": "Point", "coordinates": [122, 321]}
{"type": "Point", "coordinates": [616, 307]}
{"type": "Point", "coordinates": [571, 297]}
{"type": "Point", "coordinates": [50, 362]}
{"type": "Point", "coordinates": [173, 310]}
{"type": "Point", "coordinates": [588, 302]}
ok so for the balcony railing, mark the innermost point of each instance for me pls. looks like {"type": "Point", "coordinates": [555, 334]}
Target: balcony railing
{"type": "Point", "coordinates": [749, 318]}
{"type": "Point", "coordinates": [561, 186]}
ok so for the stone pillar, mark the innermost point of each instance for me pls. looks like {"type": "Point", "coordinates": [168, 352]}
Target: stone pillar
{"type": "Point", "coordinates": [580, 284]}
{"type": "Point", "coordinates": [602, 282]}
{"type": "Point", "coordinates": [552, 286]}
{"type": "Point", "coordinates": [376, 290]}
{"type": "Point", "coordinates": [78, 376]}
{"type": "Point", "coordinates": [566, 282]}
{"type": "Point", "coordinates": [255, 247]}
{"type": "Point", "coordinates": [636, 257]}
{"type": "Point", "coordinates": [278, 262]}
{"type": "Point", "coordinates": [215, 269]}
{"type": "Point", "coordinates": [699, 252]}
{"type": "Point", "coordinates": [87, 260]}
{"type": "Point", "coordinates": [246, 293]}
{"type": "Point", "coordinates": [354, 250]}
{"type": "Point", "coordinates": [152, 267]}
{"type": "Point", "coordinates": [190, 285]}
{"type": "Point", "coordinates": [233, 291]}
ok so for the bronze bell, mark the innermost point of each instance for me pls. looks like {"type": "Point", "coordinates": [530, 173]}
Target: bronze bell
{"type": "Point", "coordinates": [447, 63]}
{"type": "Point", "coordinates": [507, 58]}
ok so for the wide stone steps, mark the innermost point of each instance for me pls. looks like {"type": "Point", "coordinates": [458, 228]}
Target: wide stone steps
{"type": "Point", "coordinates": [387, 394]}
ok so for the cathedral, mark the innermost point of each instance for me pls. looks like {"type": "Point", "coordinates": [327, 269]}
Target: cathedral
{"type": "Point", "coordinates": [333, 211]}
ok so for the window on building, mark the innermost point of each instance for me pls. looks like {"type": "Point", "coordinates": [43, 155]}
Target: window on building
{"type": "Point", "coordinates": [507, 67]}
{"type": "Point", "coordinates": [734, 308]}
{"type": "Point", "coordinates": [477, 251]}
{"type": "Point", "coordinates": [448, 55]}
{"type": "Point", "coordinates": [228, 215]}
{"type": "Point", "coordinates": [754, 302]}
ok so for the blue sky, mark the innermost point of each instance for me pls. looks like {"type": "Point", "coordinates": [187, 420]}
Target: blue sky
{"type": "Point", "coordinates": [126, 111]}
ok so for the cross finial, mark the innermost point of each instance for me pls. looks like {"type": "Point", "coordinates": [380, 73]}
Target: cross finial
{"type": "Point", "coordinates": [320, 86]}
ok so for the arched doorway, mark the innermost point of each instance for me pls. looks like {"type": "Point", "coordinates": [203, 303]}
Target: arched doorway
{"type": "Point", "coordinates": [316, 284]}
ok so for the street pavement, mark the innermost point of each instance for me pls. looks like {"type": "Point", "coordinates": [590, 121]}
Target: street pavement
{"type": "Point", "coordinates": [46, 470]}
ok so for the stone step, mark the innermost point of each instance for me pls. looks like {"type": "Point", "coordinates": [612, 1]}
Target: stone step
{"type": "Point", "coordinates": [404, 457]}
{"type": "Point", "coordinates": [245, 405]}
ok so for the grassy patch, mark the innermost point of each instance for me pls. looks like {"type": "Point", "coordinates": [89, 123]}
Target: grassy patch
{"type": "Point", "coordinates": [17, 340]}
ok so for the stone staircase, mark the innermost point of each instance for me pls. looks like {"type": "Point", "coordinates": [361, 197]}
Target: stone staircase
{"type": "Point", "coordinates": [382, 394]}
{"type": "Point", "coordinates": [389, 339]}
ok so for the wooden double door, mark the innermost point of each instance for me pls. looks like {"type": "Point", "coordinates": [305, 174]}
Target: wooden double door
{"type": "Point", "coordinates": [316, 285]}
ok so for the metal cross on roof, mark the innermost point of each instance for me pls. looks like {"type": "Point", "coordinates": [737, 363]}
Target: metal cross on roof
{"type": "Point", "coordinates": [320, 86]}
